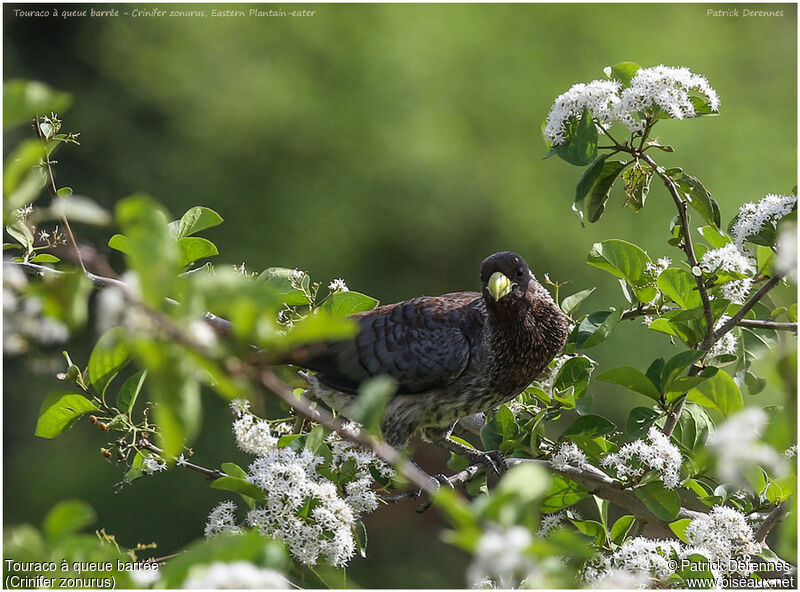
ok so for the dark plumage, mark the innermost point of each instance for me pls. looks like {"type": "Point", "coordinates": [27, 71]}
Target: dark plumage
{"type": "Point", "coordinates": [451, 355]}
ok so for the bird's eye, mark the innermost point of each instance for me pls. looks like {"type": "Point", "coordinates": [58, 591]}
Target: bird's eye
{"type": "Point", "coordinates": [520, 273]}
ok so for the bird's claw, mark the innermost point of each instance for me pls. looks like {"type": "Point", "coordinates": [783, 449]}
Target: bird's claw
{"type": "Point", "coordinates": [496, 461]}
{"type": "Point", "coordinates": [440, 480]}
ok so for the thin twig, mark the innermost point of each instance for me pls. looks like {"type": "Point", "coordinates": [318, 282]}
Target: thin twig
{"type": "Point", "coordinates": [751, 302]}
{"type": "Point", "coordinates": [210, 473]}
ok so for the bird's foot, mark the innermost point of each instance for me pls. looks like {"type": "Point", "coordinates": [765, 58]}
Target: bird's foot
{"type": "Point", "coordinates": [441, 480]}
{"type": "Point", "coordinates": [494, 460]}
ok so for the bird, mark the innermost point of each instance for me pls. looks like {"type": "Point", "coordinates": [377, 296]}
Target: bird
{"type": "Point", "coordinates": [451, 356]}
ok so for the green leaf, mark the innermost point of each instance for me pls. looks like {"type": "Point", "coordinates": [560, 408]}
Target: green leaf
{"type": "Point", "coordinates": [20, 231]}
{"type": "Point", "coordinates": [65, 297]}
{"type": "Point", "coordinates": [596, 327]}
{"type": "Point", "coordinates": [45, 258]}
{"type": "Point", "coordinates": [680, 286]}
{"type": "Point", "coordinates": [620, 529]}
{"type": "Point", "coordinates": [370, 407]}
{"type": "Point", "coordinates": [592, 528]}
{"type": "Point", "coordinates": [78, 208]}
{"type": "Point", "coordinates": [574, 372]}
{"type": "Point", "coordinates": [586, 182]}
{"type": "Point", "coordinates": [194, 248]}
{"type": "Point", "coordinates": [580, 147]}
{"type": "Point", "coordinates": [571, 303]}
{"type": "Point", "coordinates": [152, 252]}
{"type": "Point", "coordinates": [662, 502]}
{"type": "Point", "coordinates": [602, 188]}
{"type": "Point", "coordinates": [129, 391]}
{"type": "Point", "coordinates": [318, 326]}
{"type": "Point", "coordinates": [714, 237]}
{"type": "Point", "coordinates": [639, 421]}
{"type": "Point", "coordinates": [59, 411]}
{"type": "Point", "coordinates": [693, 191]}
{"type": "Point", "coordinates": [679, 528]}
{"type": "Point", "coordinates": [631, 379]}
{"type": "Point", "coordinates": [342, 304]}
{"type": "Point", "coordinates": [67, 517]}
{"type": "Point", "coordinates": [562, 493]}
{"type": "Point", "coordinates": [238, 485]}
{"type": "Point", "coordinates": [622, 72]}
{"type": "Point", "coordinates": [693, 427]}
{"type": "Point", "coordinates": [718, 392]}
{"type": "Point", "coordinates": [621, 259]}
{"type": "Point", "coordinates": [677, 366]}
{"type": "Point", "coordinates": [589, 426]}
{"type": "Point", "coordinates": [23, 100]}
{"type": "Point", "coordinates": [109, 356]}
{"type": "Point", "coordinates": [120, 242]}
{"type": "Point", "coordinates": [23, 178]}
{"type": "Point", "coordinates": [196, 219]}
{"type": "Point", "coordinates": [637, 185]}
{"type": "Point", "coordinates": [280, 280]}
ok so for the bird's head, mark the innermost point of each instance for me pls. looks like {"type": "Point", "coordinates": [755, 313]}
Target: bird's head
{"type": "Point", "coordinates": [505, 278]}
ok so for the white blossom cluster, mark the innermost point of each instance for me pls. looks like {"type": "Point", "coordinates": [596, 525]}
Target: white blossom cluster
{"type": "Point", "coordinates": [338, 285]}
{"type": "Point", "coordinates": [546, 381]}
{"type": "Point", "coordinates": [23, 321]}
{"type": "Point", "coordinates": [721, 534]}
{"type": "Point", "coordinates": [315, 518]}
{"type": "Point", "coordinates": [753, 216]}
{"type": "Point", "coordinates": [234, 575]}
{"type": "Point", "coordinates": [665, 87]}
{"type": "Point", "coordinates": [501, 559]}
{"type": "Point", "coordinates": [222, 519]}
{"type": "Point", "coordinates": [738, 449]}
{"type": "Point", "coordinates": [599, 97]}
{"type": "Point", "coordinates": [661, 87]}
{"type": "Point", "coordinates": [725, 344]}
{"type": "Point", "coordinates": [550, 522]}
{"type": "Point", "coordinates": [659, 454]}
{"type": "Point", "coordinates": [568, 455]}
{"type": "Point", "coordinates": [642, 558]}
{"type": "Point", "coordinates": [730, 259]}
{"type": "Point", "coordinates": [653, 270]}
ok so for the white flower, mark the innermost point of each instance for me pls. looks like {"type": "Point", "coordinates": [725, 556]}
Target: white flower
{"type": "Point", "coordinates": [723, 533]}
{"type": "Point", "coordinates": [665, 87]}
{"type": "Point", "coordinates": [23, 213]}
{"type": "Point", "coordinates": [501, 557]}
{"type": "Point", "coordinates": [753, 216]}
{"type": "Point", "coordinates": [550, 522]}
{"type": "Point", "coordinates": [44, 235]}
{"type": "Point", "coordinates": [737, 446]}
{"type": "Point", "coordinates": [338, 285]}
{"type": "Point", "coordinates": [222, 519]}
{"type": "Point", "coordinates": [656, 269]}
{"type": "Point", "coordinates": [599, 97]}
{"type": "Point", "coordinates": [254, 436]}
{"type": "Point", "coordinates": [791, 451]}
{"type": "Point", "coordinates": [152, 465]}
{"type": "Point", "coordinates": [729, 258]}
{"type": "Point", "coordinates": [240, 406]}
{"type": "Point", "coordinates": [640, 556]}
{"type": "Point", "coordinates": [233, 575]}
{"type": "Point", "coordinates": [658, 455]}
{"type": "Point", "coordinates": [647, 320]}
{"type": "Point", "coordinates": [726, 344]}
{"type": "Point", "coordinates": [567, 455]}
{"type": "Point", "coordinates": [181, 460]}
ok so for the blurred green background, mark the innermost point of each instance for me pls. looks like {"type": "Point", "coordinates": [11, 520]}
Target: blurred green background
{"type": "Point", "coordinates": [394, 146]}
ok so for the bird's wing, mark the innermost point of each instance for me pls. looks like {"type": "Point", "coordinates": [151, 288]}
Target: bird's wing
{"type": "Point", "coordinates": [423, 343]}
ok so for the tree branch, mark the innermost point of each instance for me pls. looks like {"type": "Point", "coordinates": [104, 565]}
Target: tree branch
{"type": "Point", "coordinates": [210, 473]}
{"type": "Point", "coordinates": [751, 302]}
{"type": "Point", "coordinates": [770, 521]}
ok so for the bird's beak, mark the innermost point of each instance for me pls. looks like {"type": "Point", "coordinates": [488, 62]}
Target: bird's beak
{"type": "Point", "coordinates": [499, 285]}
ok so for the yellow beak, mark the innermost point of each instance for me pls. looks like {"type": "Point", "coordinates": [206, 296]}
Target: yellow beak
{"type": "Point", "coordinates": [499, 285]}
